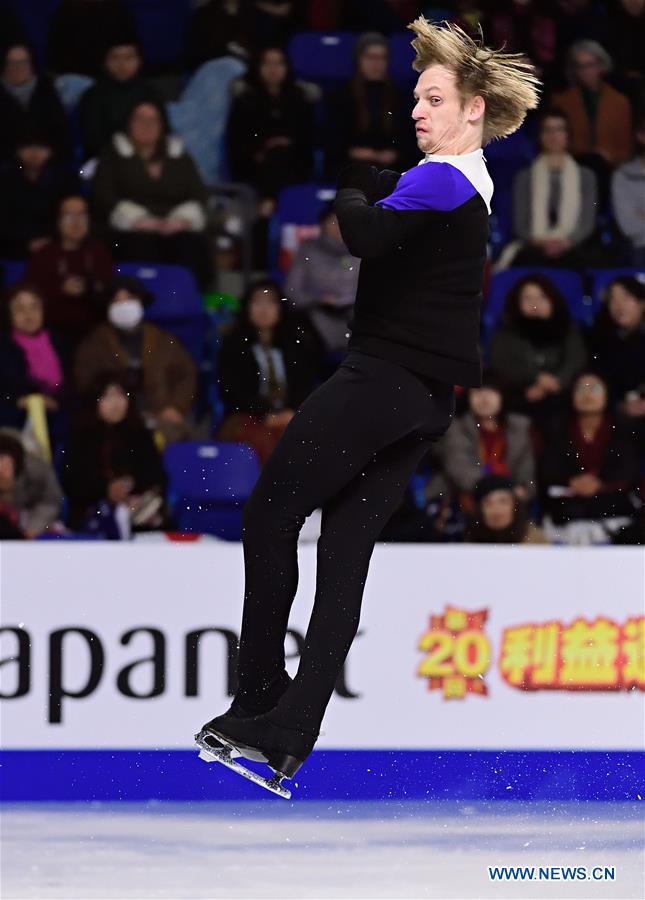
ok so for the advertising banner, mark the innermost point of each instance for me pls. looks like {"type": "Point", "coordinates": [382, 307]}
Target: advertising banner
{"type": "Point", "coordinates": [459, 647]}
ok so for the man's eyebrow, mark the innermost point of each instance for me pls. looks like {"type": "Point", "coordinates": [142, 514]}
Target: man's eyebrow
{"type": "Point", "coordinates": [425, 90]}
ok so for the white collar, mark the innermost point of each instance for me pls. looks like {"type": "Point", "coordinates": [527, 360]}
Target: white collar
{"type": "Point", "coordinates": [450, 156]}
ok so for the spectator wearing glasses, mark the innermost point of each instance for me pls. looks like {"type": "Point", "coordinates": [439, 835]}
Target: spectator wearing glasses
{"type": "Point", "coordinates": [599, 116]}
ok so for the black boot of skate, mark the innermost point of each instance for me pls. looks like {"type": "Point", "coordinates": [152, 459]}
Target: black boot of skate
{"type": "Point", "coordinates": [246, 707]}
{"type": "Point", "coordinates": [283, 749]}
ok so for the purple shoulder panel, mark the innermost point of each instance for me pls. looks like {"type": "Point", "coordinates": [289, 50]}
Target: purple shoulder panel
{"type": "Point", "coordinates": [432, 185]}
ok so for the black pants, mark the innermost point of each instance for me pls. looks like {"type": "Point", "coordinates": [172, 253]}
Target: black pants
{"type": "Point", "coordinates": [350, 450]}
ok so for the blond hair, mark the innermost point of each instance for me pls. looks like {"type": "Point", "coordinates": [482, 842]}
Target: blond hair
{"type": "Point", "coordinates": [506, 81]}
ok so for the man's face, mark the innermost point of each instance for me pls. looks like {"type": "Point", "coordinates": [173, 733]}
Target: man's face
{"type": "Point", "coordinates": [588, 69]}
{"type": "Point", "coordinates": [438, 117]}
{"type": "Point", "coordinates": [122, 62]}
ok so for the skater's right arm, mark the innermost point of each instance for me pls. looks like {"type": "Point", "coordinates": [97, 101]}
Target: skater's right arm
{"type": "Point", "coordinates": [372, 231]}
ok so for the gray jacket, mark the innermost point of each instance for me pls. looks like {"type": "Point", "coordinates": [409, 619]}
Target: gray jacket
{"type": "Point", "coordinates": [323, 266]}
{"type": "Point", "coordinates": [522, 206]}
{"type": "Point", "coordinates": [461, 454]}
{"type": "Point", "coordinates": [37, 494]}
{"type": "Point", "coordinates": [628, 200]}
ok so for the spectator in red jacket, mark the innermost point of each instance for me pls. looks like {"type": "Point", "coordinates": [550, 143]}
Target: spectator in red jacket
{"type": "Point", "coordinates": [72, 270]}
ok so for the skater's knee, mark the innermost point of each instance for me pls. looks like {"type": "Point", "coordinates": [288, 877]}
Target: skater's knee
{"type": "Point", "coordinates": [263, 515]}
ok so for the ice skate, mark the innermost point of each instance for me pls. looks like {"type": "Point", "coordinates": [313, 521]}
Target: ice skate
{"type": "Point", "coordinates": [258, 738]}
{"type": "Point", "coordinates": [246, 707]}
{"type": "Point", "coordinates": [218, 750]}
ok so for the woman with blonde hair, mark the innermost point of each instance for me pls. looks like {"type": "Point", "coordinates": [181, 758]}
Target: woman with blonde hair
{"type": "Point", "coordinates": [354, 443]}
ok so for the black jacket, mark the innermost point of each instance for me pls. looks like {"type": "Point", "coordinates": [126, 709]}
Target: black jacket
{"type": "Point", "coordinates": [560, 462]}
{"type": "Point", "coordinates": [238, 373]}
{"type": "Point", "coordinates": [98, 453]}
{"type": "Point", "coordinates": [28, 208]}
{"type": "Point", "coordinates": [44, 113]}
{"type": "Point", "coordinates": [422, 250]}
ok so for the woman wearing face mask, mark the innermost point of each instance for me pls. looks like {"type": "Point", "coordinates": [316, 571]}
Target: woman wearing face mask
{"type": "Point", "coordinates": [72, 270]}
{"type": "Point", "coordinates": [111, 458]}
{"type": "Point", "coordinates": [161, 374]}
{"type": "Point", "coordinates": [537, 351]}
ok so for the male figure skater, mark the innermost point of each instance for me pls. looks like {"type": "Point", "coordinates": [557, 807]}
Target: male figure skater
{"type": "Point", "coordinates": [353, 445]}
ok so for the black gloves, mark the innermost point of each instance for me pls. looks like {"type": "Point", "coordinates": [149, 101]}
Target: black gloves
{"type": "Point", "coordinates": [359, 176]}
{"type": "Point", "coordinates": [362, 177]}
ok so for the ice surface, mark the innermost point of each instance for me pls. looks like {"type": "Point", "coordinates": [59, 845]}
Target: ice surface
{"type": "Point", "coordinates": [296, 849]}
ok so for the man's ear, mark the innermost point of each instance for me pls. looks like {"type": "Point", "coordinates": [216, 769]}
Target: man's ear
{"type": "Point", "coordinates": [477, 108]}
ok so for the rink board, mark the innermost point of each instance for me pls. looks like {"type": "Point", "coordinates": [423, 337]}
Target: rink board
{"type": "Point", "coordinates": [478, 672]}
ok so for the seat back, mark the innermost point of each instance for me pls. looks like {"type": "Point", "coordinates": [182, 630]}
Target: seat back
{"type": "Point", "coordinates": [295, 220]}
{"type": "Point", "coordinates": [178, 303]}
{"type": "Point", "coordinates": [210, 473]}
{"type": "Point", "coordinates": [323, 57]}
{"type": "Point", "coordinates": [602, 278]}
{"type": "Point", "coordinates": [568, 282]}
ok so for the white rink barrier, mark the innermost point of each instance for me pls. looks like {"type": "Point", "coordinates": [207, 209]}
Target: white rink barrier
{"type": "Point", "coordinates": [460, 647]}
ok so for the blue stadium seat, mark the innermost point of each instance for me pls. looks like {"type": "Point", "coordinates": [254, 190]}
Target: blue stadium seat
{"type": "Point", "coordinates": [600, 278]}
{"type": "Point", "coordinates": [295, 219]}
{"type": "Point", "coordinates": [401, 58]}
{"type": "Point", "coordinates": [208, 485]}
{"type": "Point", "coordinates": [568, 282]}
{"type": "Point", "coordinates": [12, 270]}
{"type": "Point", "coordinates": [34, 16]}
{"type": "Point", "coordinates": [323, 57]}
{"type": "Point", "coordinates": [504, 159]}
{"type": "Point", "coordinates": [178, 303]}
{"type": "Point", "coordinates": [162, 26]}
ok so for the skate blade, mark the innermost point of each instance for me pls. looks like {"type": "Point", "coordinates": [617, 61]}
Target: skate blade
{"type": "Point", "coordinates": [223, 755]}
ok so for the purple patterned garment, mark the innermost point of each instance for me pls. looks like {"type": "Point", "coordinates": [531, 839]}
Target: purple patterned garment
{"type": "Point", "coordinates": [431, 185]}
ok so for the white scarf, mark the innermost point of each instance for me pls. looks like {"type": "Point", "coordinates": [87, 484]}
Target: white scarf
{"type": "Point", "coordinates": [570, 198]}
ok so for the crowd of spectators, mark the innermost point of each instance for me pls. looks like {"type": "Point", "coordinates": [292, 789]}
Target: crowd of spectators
{"type": "Point", "coordinates": [109, 154]}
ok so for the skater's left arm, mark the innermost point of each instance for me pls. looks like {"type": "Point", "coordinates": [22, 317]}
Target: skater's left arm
{"type": "Point", "coordinates": [372, 231]}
